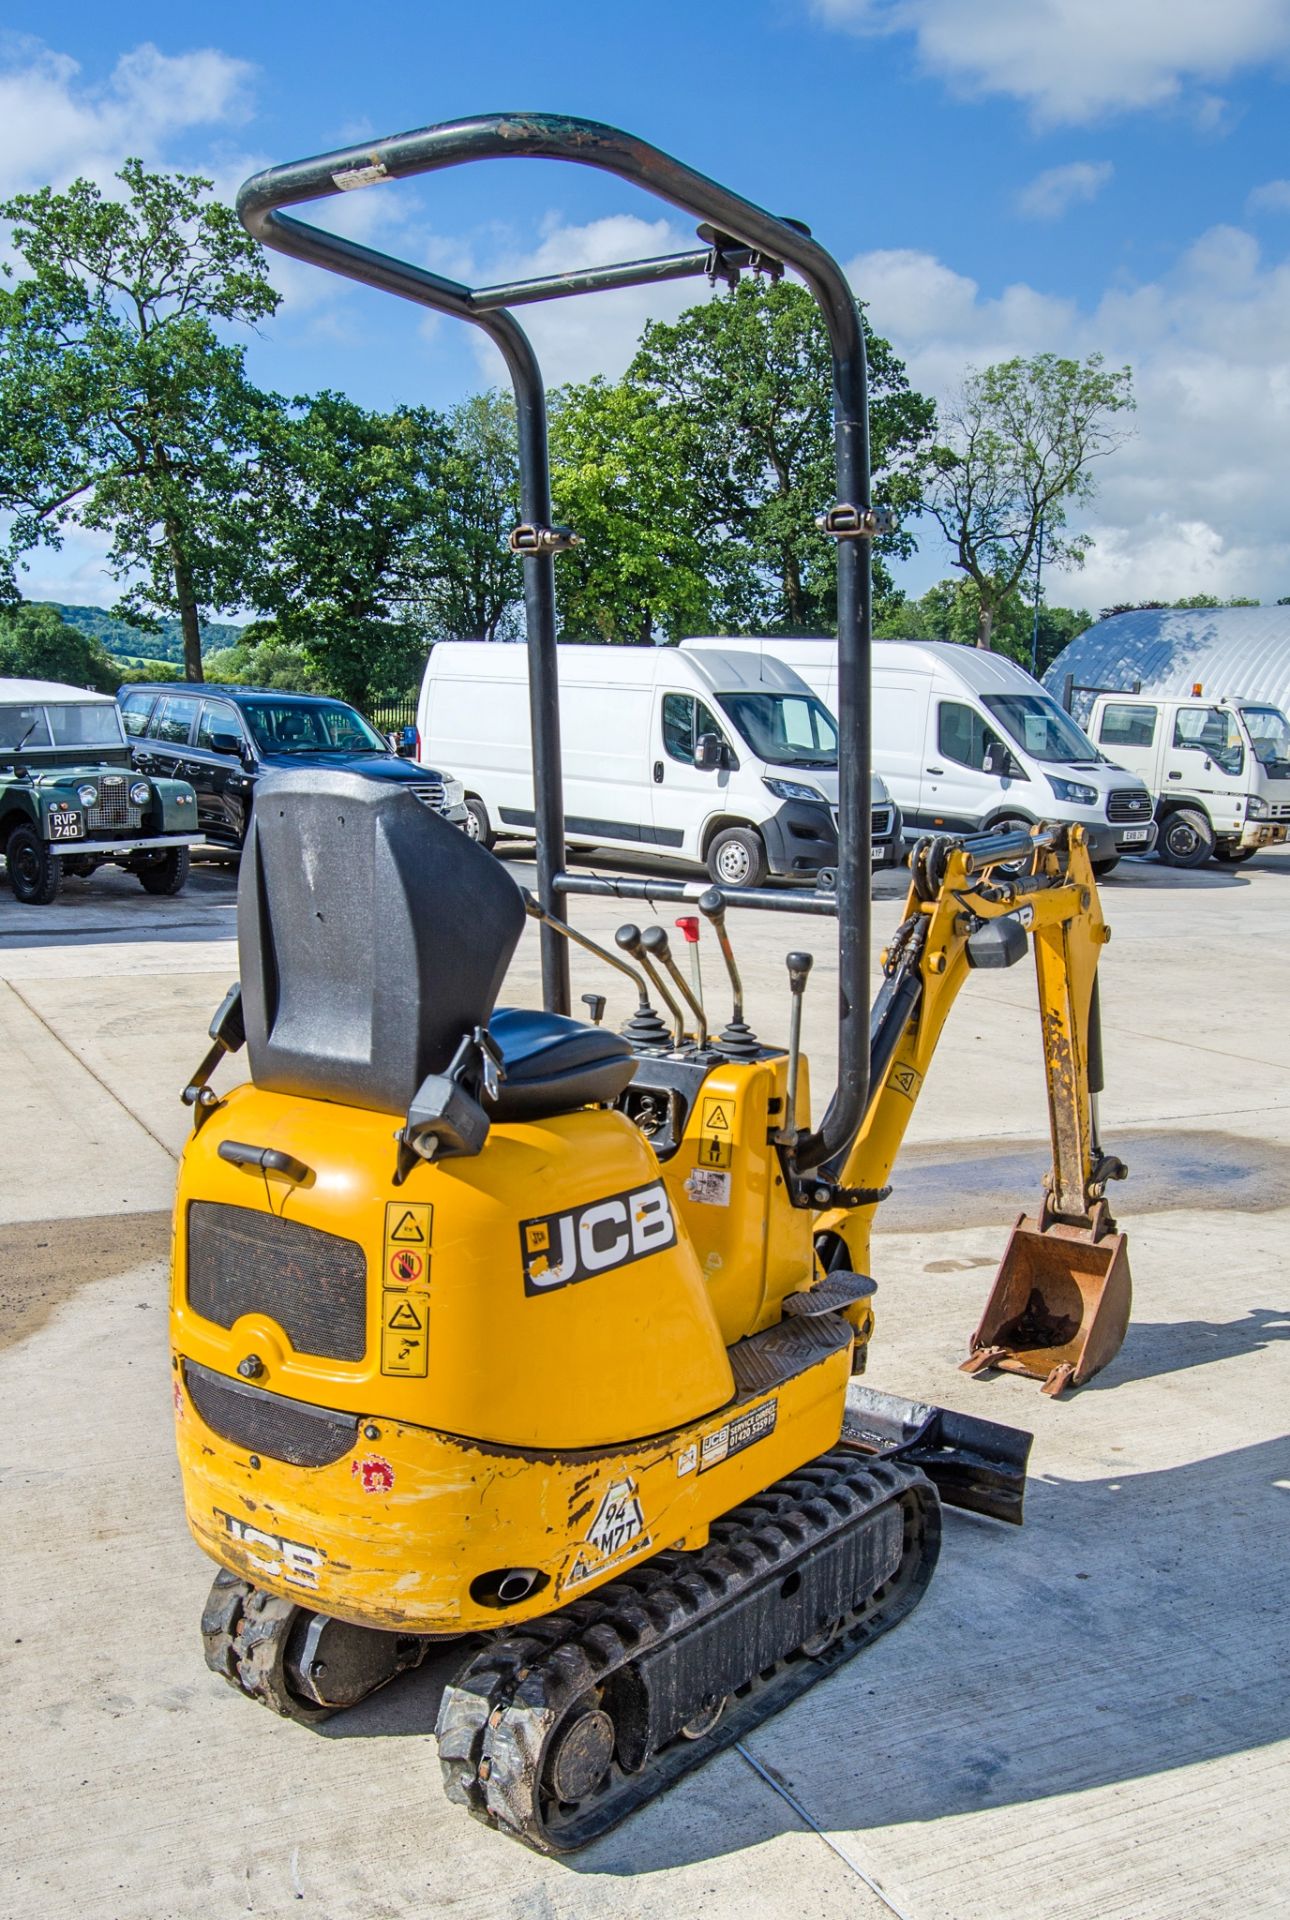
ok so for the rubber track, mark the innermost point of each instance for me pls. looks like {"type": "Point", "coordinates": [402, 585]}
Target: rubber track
{"type": "Point", "coordinates": [245, 1633]}
{"type": "Point", "coordinates": [497, 1718]}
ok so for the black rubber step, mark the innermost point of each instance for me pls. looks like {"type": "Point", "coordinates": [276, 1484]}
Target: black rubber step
{"type": "Point", "coordinates": [766, 1360]}
{"type": "Point", "coordinates": [830, 1295]}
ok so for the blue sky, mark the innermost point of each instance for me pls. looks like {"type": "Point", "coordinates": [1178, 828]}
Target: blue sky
{"type": "Point", "coordinates": [999, 176]}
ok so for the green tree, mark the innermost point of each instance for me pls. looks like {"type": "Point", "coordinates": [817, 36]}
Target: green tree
{"type": "Point", "coordinates": [262, 658]}
{"type": "Point", "coordinates": [1018, 442]}
{"type": "Point", "coordinates": [476, 588]}
{"type": "Point", "coordinates": [36, 645]}
{"type": "Point", "coordinates": [352, 531]}
{"type": "Point", "coordinates": [743, 385]}
{"type": "Point", "coordinates": [951, 610]}
{"type": "Point", "coordinates": [125, 410]}
{"type": "Point", "coordinates": [619, 478]}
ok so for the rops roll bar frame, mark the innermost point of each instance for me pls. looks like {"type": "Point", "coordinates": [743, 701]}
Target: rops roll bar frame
{"type": "Point", "coordinates": [738, 236]}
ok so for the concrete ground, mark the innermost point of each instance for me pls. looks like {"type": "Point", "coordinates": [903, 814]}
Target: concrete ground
{"type": "Point", "coordinates": [1086, 1717]}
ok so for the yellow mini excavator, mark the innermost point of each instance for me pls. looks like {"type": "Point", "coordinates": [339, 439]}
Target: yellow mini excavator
{"type": "Point", "coordinates": [497, 1325]}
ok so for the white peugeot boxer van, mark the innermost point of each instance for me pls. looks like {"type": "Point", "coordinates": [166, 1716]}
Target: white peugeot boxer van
{"type": "Point", "coordinates": [967, 740]}
{"type": "Point", "coordinates": [717, 758]}
{"type": "Point", "coordinates": [1219, 770]}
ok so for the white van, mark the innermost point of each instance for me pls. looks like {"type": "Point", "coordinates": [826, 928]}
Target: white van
{"type": "Point", "coordinates": [1219, 770]}
{"type": "Point", "coordinates": [968, 740]}
{"type": "Point", "coordinates": [717, 758]}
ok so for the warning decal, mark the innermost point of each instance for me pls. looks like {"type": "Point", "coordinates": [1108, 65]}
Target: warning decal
{"type": "Point", "coordinates": [405, 1333]}
{"type": "Point", "coordinates": [408, 1226]}
{"type": "Point", "coordinates": [716, 1115]}
{"type": "Point", "coordinates": [616, 1533]}
{"type": "Point", "coordinates": [714, 1151]}
{"type": "Point", "coordinates": [905, 1080]}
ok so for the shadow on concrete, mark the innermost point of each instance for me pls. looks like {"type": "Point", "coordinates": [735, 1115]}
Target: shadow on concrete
{"type": "Point", "coordinates": [1152, 1348]}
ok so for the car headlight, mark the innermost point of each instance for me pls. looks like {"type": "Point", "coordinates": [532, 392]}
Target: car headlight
{"type": "Point", "coordinates": [453, 793]}
{"type": "Point", "coordinates": [791, 789]}
{"type": "Point", "coordinates": [1072, 792]}
{"type": "Point", "coordinates": [87, 795]}
{"type": "Point", "coordinates": [1256, 807]}
{"type": "Point", "coordinates": [140, 793]}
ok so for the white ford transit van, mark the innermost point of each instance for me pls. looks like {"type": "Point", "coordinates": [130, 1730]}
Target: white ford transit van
{"type": "Point", "coordinates": [716, 758]}
{"type": "Point", "coordinates": [1219, 770]}
{"type": "Point", "coordinates": [967, 740]}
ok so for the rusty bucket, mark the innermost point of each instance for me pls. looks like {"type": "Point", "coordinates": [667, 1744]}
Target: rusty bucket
{"type": "Point", "coordinates": [1059, 1307]}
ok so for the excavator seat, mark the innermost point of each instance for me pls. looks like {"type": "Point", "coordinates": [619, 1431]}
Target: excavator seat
{"type": "Point", "coordinates": [553, 1065]}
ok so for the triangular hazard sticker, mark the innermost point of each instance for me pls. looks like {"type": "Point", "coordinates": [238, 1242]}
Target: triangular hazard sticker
{"type": "Point", "coordinates": [404, 1316]}
{"type": "Point", "coordinates": [408, 1231]}
{"type": "Point", "coordinates": [715, 1118]}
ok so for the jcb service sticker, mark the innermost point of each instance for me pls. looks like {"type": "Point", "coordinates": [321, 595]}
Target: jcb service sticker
{"type": "Point", "coordinates": [558, 1248]}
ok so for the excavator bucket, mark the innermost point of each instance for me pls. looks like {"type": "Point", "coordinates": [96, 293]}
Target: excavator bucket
{"type": "Point", "coordinates": [1059, 1308]}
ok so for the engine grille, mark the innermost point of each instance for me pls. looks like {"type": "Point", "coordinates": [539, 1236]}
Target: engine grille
{"type": "Point", "coordinates": [880, 828]}
{"type": "Point", "coordinates": [113, 807]}
{"type": "Point", "coordinates": [289, 1430]}
{"type": "Point", "coordinates": [1128, 803]}
{"type": "Point", "coordinates": [1278, 811]}
{"type": "Point", "coordinates": [432, 795]}
{"type": "Point", "coordinates": [313, 1284]}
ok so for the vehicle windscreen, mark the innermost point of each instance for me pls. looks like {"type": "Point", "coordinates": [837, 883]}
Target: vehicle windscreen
{"type": "Point", "coordinates": [1269, 732]}
{"type": "Point", "coordinates": [320, 726]}
{"type": "Point", "coordinates": [23, 727]}
{"type": "Point", "coordinates": [786, 729]}
{"type": "Point", "coordinates": [75, 726]}
{"type": "Point", "coordinates": [1040, 727]}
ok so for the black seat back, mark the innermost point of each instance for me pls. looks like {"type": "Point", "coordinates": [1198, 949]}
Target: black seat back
{"type": "Point", "coordinates": [371, 936]}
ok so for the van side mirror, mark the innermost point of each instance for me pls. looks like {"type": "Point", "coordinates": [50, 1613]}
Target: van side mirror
{"type": "Point", "coordinates": [999, 761]}
{"type": "Point", "coordinates": [709, 753]}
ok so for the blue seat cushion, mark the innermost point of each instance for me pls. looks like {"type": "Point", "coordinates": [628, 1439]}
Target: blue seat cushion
{"type": "Point", "coordinates": [554, 1065]}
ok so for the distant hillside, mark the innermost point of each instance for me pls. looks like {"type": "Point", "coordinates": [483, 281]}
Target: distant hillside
{"type": "Point", "coordinates": [131, 643]}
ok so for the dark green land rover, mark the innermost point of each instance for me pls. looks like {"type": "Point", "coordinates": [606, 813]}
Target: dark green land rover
{"type": "Point", "coordinates": [70, 798]}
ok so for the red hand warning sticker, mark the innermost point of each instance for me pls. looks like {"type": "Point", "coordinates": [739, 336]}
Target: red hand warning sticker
{"type": "Point", "coordinates": [406, 1266]}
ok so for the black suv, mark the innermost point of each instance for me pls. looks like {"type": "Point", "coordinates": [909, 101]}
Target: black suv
{"type": "Point", "coordinates": [220, 739]}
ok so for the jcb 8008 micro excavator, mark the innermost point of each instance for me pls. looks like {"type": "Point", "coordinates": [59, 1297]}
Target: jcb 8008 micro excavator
{"type": "Point", "coordinates": [492, 1323]}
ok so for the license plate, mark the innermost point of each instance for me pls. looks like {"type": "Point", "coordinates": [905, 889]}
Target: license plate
{"type": "Point", "coordinates": [1136, 833]}
{"type": "Point", "coordinates": [876, 854]}
{"type": "Point", "coordinates": [66, 826]}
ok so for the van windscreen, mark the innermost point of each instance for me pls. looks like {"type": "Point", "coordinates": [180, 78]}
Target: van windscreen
{"type": "Point", "coordinates": [1040, 728]}
{"type": "Point", "coordinates": [786, 729]}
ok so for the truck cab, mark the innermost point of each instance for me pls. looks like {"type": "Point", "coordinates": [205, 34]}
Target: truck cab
{"type": "Point", "coordinates": [70, 799]}
{"type": "Point", "coordinates": [1218, 769]}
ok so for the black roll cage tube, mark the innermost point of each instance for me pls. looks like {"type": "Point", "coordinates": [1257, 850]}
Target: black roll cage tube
{"type": "Point", "coordinates": [740, 236]}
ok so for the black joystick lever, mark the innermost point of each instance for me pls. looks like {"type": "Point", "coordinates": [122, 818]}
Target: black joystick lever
{"type": "Point", "coordinates": [658, 947]}
{"type": "Point", "coordinates": [645, 1028]}
{"type": "Point", "coordinates": [799, 966]}
{"type": "Point", "coordinates": [737, 1040]}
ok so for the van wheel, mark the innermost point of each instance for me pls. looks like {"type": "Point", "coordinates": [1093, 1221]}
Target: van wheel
{"type": "Point", "coordinates": [34, 874]}
{"type": "Point", "coordinates": [1186, 839]}
{"type": "Point", "coordinates": [166, 873]}
{"type": "Point", "coordinates": [737, 858]}
{"type": "Point", "coordinates": [1103, 867]}
{"type": "Point", "coordinates": [477, 825]}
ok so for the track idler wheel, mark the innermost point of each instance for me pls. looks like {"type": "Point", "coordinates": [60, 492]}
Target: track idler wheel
{"type": "Point", "coordinates": [303, 1665]}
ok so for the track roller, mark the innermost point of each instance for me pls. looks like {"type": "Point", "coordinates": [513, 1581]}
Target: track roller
{"type": "Point", "coordinates": [304, 1665]}
{"type": "Point", "coordinates": [556, 1731]}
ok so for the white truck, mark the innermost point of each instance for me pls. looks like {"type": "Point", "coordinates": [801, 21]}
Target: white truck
{"type": "Point", "coordinates": [713, 758]}
{"type": "Point", "coordinates": [966, 740]}
{"type": "Point", "coordinates": [1219, 770]}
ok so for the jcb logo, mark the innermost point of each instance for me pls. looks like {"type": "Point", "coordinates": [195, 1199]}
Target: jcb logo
{"type": "Point", "coordinates": [560, 1248]}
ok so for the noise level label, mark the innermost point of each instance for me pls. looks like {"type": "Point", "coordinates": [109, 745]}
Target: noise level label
{"type": "Point", "coordinates": [405, 1333]}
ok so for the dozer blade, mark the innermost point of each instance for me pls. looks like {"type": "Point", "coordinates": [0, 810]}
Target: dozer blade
{"type": "Point", "coordinates": [1059, 1307]}
{"type": "Point", "coordinates": [976, 1464]}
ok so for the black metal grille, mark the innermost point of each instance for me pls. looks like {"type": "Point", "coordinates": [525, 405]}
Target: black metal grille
{"type": "Point", "coordinates": [1128, 803]}
{"type": "Point", "coordinates": [432, 795]}
{"type": "Point", "coordinates": [289, 1430]}
{"type": "Point", "coordinates": [881, 822]}
{"type": "Point", "coordinates": [313, 1284]}
{"type": "Point", "coordinates": [113, 807]}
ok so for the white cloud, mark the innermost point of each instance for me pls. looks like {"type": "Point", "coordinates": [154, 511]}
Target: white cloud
{"type": "Point", "coordinates": [1050, 194]}
{"type": "Point", "coordinates": [1072, 60]}
{"type": "Point", "coordinates": [1195, 501]}
{"type": "Point", "coordinates": [55, 125]}
{"type": "Point", "coordinates": [1272, 197]}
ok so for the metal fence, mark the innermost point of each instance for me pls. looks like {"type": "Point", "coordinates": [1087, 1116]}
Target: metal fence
{"type": "Point", "coordinates": [390, 715]}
